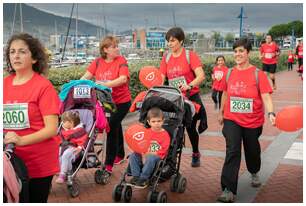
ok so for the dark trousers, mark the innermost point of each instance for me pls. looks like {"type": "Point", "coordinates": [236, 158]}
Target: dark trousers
{"type": "Point", "coordinates": [290, 66]}
{"type": "Point", "coordinates": [300, 62]}
{"type": "Point", "coordinates": [39, 189]}
{"type": "Point", "coordinates": [114, 144]}
{"type": "Point", "coordinates": [192, 131]}
{"type": "Point", "coordinates": [216, 96]}
{"type": "Point", "coordinates": [234, 135]}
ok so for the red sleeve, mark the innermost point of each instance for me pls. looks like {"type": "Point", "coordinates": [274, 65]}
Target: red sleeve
{"type": "Point", "coordinates": [80, 141]}
{"type": "Point", "coordinates": [261, 49]}
{"type": "Point", "coordinates": [223, 83]}
{"type": "Point", "coordinates": [195, 60]}
{"type": "Point", "coordinates": [163, 65]}
{"type": "Point", "coordinates": [123, 67]}
{"type": "Point", "coordinates": [92, 68]}
{"type": "Point", "coordinates": [164, 144]}
{"type": "Point", "coordinates": [49, 102]}
{"type": "Point", "coordinates": [263, 83]}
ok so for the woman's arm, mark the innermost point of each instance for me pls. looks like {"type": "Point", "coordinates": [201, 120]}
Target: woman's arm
{"type": "Point", "coordinates": [200, 76]}
{"type": "Point", "coordinates": [116, 82]}
{"type": "Point", "coordinates": [87, 75]}
{"type": "Point", "coordinates": [223, 100]}
{"type": "Point", "coordinates": [50, 130]}
{"type": "Point", "coordinates": [267, 100]}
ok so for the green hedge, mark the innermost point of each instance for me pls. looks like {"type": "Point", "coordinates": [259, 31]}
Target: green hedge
{"type": "Point", "coordinates": [60, 76]}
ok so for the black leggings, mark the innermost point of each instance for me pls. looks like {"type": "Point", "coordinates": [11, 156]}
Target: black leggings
{"type": "Point", "coordinates": [235, 134]}
{"type": "Point", "coordinates": [192, 131]}
{"type": "Point", "coordinates": [216, 96]}
{"type": "Point", "coordinates": [115, 145]}
{"type": "Point", "coordinates": [39, 189]}
{"type": "Point", "coordinates": [300, 62]}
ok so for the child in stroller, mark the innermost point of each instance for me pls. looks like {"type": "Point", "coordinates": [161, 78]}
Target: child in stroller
{"type": "Point", "coordinates": [160, 141]}
{"type": "Point", "coordinates": [74, 137]}
{"type": "Point", "coordinates": [170, 101]}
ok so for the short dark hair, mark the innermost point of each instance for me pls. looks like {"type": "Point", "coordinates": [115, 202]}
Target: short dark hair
{"type": "Point", "coordinates": [220, 56]}
{"type": "Point", "coordinates": [244, 42]}
{"type": "Point", "coordinates": [270, 36]}
{"type": "Point", "coordinates": [155, 112]}
{"type": "Point", "coordinates": [177, 33]}
{"type": "Point", "coordinates": [37, 51]}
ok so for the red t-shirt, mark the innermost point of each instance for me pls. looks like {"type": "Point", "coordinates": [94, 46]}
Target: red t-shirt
{"type": "Point", "coordinates": [178, 67]}
{"type": "Point", "coordinates": [290, 58]}
{"type": "Point", "coordinates": [269, 53]}
{"type": "Point", "coordinates": [218, 74]}
{"type": "Point", "coordinates": [108, 71]}
{"type": "Point", "coordinates": [300, 51]}
{"type": "Point", "coordinates": [32, 100]}
{"type": "Point", "coordinates": [244, 104]}
{"type": "Point", "coordinates": [160, 142]}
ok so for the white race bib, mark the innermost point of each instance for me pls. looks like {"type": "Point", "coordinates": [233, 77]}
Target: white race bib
{"type": "Point", "coordinates": [15, 116]}
{"type": "Point", "coordinates": [81, 91]}
{"type": "Point", "coordinates": [241, 105]}
{"type": "Point", "coordinates": [177, 82]}
{"type": "Point", "coordinates": [218, 75]}
{"type": "Point", "coordinates": [269, 55]}
{"type": "Point", "coordinates": [300, 53]}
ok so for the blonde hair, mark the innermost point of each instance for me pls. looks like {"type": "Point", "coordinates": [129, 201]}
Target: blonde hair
{"type": "Point", "coordinates": [106, 43]}
{"type": "Point", "coordinates": [71, 116]}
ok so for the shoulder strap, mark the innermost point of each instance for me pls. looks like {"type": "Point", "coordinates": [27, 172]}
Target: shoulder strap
{"type": "Point", "coordinates": [256, 77]}
{"type": "Point", "coordinates": [187, 55]}
{"type": "Point", "coordinates": [228, 74]}
{"type": "Point", "coordinates": [97, 62]}
{"type": "Point", "coordinates": [168, 55]}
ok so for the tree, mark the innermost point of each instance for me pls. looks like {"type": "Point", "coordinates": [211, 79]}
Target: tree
{"type": "Point", "coordinates": [216, 36]}
{"type": "Point", "coordinates": [229, 37]}
{"type": "Point", "coordinates": [281, 30]}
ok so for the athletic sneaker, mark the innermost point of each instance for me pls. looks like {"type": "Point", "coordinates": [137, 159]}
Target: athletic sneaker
{"type": "Point", "coordinates": [118, 160]}
{"type": "Point", "coordinates": [227, 196]}
{"type": "Point", "coordinates": [61, 179]}
{"type": "Point", "coordinates": [142, 183]}
{"type": "Point", "coordinates": [255, 180]}
{"type": "Point", "coordinates": [195, 162]}
{"type": "Point", "coordinates": [134, 180]}
{"type": "Point", "coordinates": [109, 169]}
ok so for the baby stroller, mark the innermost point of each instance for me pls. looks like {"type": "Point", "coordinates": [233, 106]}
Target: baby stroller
{"type": "Point", "coordinates": [170, 101]}
{"type": "Point", "coordinates": [15, 177]}
{"type": "Point", "coordinates": [83, 98]}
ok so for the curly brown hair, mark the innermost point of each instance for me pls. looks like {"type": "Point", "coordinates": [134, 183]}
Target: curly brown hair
{"type": "Point", "coordinates": [107, 42]}
{"type": "Point", "coordinates": [37, 52]}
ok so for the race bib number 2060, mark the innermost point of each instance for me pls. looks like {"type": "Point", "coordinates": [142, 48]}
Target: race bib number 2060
{"type": "Point", "coordinates": [15, 116]}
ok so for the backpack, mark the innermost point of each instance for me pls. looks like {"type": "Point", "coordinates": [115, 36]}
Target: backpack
{"type": "Point", "coordinates": [256, 76]}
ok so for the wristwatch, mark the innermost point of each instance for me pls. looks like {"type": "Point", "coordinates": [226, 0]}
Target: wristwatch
{"type": "Point", "coordinates": [271, 113]}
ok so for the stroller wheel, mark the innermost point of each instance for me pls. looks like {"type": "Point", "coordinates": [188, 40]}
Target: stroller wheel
{"type": "Point", "coordinates": [101, 177]}
{"type": "Point", "coordinates": [181, 185]}
{"type": "Point", "coordinates": [116, 195]}
{"type": "Point", "coordinates": [152, 196]}
{"type": "Point", "coordinates": [126, 194]}
{"type": "Point", "coordinates": [173, 183]}
{"type": "Point", "coordinates": [162, 197]}
{"type": "Point", "coordinates": [73, 190]}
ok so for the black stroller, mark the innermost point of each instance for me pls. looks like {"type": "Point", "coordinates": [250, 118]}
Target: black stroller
{"type": "Point", "coordinates": [171, 102]}
{"type": "Point", "coordinates": [83, 98]}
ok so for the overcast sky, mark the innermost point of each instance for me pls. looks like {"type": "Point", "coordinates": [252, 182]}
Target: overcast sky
{"type": "Point", "coordinates": [191, 17]}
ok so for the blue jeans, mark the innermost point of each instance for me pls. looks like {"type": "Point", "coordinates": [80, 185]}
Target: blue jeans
{"type": "Point", "coordinates": [135, 161]}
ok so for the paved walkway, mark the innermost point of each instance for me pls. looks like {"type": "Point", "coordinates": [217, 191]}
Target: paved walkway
{"type": "Point", "coordinates": [281, 171]}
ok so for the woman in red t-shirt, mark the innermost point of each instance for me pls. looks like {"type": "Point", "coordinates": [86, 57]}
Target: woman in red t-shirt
{"type": "Point", "coordinates": [111, 70]}
{"type": "Point", "coordinates": [218, 73]}
{"type": "Point", "coordinates": [187, 75]}
{"type": "Point", "coordinates": [290, 60]}
{"type": "Point", "coordinates": [30, 113]}
{"type": "Point", "coordinates": [245, 92]}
